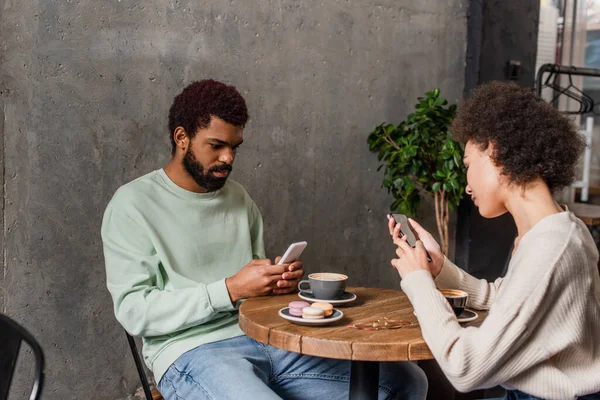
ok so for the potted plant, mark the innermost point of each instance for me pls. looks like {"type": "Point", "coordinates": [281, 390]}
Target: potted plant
{"type": "Point", "coordinates": [420, 158]}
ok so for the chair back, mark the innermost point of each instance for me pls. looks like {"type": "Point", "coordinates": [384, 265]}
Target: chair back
{"type": "Point", "coordinates": [11, 336]}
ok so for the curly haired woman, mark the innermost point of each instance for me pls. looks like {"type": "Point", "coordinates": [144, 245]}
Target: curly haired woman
{"type": "Point", "coordinates": [541, 338]}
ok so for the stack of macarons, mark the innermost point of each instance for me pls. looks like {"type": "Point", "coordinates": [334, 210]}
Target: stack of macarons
{"type": "Point", "coordinates": [317, 310]}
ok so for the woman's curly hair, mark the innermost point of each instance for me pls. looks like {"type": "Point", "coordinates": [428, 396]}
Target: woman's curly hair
{"type": "Point", "coordinates": [193, 108]}
{"type": "Point", "coordinates": [531, 138]}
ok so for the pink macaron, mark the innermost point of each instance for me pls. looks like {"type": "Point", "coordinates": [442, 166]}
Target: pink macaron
{"type": "Point", "coordinates": [295, 307]}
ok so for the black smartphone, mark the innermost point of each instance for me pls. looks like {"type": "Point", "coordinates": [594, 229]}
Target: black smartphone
{"type": "Point", "coordinates": [407, 230]}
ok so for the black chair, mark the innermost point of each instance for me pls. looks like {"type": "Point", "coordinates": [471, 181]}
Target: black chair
{"type": "Point", "coordinates": [150, 395]}
{"type": "Point", "coordinates": [11, 336]}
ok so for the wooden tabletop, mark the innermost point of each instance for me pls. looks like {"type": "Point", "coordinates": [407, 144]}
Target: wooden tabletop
{"type": "Point", "coordinates": [260, 320]}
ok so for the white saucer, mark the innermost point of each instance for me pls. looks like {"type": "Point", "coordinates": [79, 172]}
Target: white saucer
{"type": "Point", "coordinates": [347, 297]}
{"type": "Point", "coordinates": [466, 316]}
{"type": "Point", "coordinates": [285, 313]}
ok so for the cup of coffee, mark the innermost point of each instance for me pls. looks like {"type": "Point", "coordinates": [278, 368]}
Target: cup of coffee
{"type": "Point", "coordinates": [457, 299]}
{"type": "Point", "coordinates": [325, 285]}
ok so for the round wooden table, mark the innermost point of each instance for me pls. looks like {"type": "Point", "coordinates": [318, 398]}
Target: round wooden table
{"type": "Point", "coordinates": [365, 348]}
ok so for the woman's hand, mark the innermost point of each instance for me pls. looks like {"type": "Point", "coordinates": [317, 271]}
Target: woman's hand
{"type": "Point", "coordinates": [411, 259]}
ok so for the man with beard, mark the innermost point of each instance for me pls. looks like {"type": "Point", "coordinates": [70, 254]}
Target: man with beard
{"type": "Point", "coordinates": [183, 245]}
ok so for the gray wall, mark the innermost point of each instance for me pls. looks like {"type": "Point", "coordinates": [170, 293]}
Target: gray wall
{"type": "Point", "coordinates": [85, 90]}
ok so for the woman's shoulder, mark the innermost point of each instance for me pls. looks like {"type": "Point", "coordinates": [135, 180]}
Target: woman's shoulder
{"type": "Point", "coordinates": [558, 227]}
{"type": "Point", "coordinates": [562, 237]}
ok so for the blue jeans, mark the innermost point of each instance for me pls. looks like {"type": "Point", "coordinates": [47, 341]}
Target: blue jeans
{"type": "Point", "coordinates": [242, 368]}
{"type": "Point", "coordinates": [518, 395]}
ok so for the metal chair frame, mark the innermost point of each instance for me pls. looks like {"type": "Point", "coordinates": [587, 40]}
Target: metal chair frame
{"type": "Point", "coordinates": [11, 336]}
{"type": "Point", "coordinates": [139, 366]}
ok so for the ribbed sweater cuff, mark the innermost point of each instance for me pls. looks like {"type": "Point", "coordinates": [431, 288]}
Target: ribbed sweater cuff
{"type": "Point", "coordinates": [449, 277]}
{"type": "Point", "coordinates": [219, 296]}
{"type": "Point", "coordinates": [417, 284]}
{"type": "Point", "coordinates": [430, 305]}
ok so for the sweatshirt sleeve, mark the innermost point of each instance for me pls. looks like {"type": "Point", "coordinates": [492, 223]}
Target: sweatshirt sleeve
{"type": "Point", "coordinates": [134, 281]}
{"type": "Point", "coordinates": [481, 292]}
{"type": "Point", "coordinates": [256, 233]}
{"type": "Point", "coordinates": [499, 349]}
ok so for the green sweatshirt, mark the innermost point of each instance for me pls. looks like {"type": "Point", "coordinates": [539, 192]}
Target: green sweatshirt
{"type": "Point", "coordinates": [167, 253]}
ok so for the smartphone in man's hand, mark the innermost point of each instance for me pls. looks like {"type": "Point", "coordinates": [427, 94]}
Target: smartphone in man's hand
{"type": "Point", "coordinates": [292, 253]}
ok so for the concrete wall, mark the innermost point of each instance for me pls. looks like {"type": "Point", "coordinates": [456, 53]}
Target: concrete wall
{"type": "Point", "coordinates": [498, 31]}
{"type": "Point", "coordinates": [85, 88]}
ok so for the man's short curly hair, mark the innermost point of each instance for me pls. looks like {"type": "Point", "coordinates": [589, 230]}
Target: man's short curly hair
{"type": "Point", "coordinates": [531, 138]}
{"type": "Point", "coordinates": [193, 108]}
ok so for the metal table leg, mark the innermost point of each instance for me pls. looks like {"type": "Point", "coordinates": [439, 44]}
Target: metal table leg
{"type": "Point", "coordinates": [364, 380]}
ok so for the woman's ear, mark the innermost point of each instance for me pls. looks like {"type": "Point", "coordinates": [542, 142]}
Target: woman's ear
{"type": "Point", "coordinates": [490, 152]}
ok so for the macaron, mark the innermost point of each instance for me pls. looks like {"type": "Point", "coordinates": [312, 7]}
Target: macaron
{"type": "Point", "coordinates": [312, 313]}
{"type": "Point", "coordinates": [327, 308]}
{"type": "Point", "coordinates": [295, 307]}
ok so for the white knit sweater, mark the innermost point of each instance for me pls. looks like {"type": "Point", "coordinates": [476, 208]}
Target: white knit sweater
{"type": "Point", "coordinates": [542, 333]}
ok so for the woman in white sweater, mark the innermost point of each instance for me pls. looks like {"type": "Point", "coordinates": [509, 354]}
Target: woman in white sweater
{"type": "Point", "coordinates": [541, 338]}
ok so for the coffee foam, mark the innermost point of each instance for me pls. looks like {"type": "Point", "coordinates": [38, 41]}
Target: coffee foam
{"type": "Point", "coordinates": [328, 276]}
{"type": "Point", "coordinates": [453, 293]}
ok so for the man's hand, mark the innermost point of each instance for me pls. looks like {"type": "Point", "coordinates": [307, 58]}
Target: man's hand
{"type": "Point", "coordinates": [290, 278]}
{"type": "Point", "coordinates": [257, 278]}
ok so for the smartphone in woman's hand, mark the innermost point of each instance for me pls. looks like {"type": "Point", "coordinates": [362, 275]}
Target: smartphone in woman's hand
{"type": "Point", "coordinates": [407, 230]}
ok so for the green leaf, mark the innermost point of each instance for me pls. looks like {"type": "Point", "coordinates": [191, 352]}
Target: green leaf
{"type": "Point", "coordinates": [426, 157]}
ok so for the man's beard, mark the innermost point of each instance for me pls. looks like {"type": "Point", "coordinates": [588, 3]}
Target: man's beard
{"type": "Point", "coordinates": [206, 180]}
